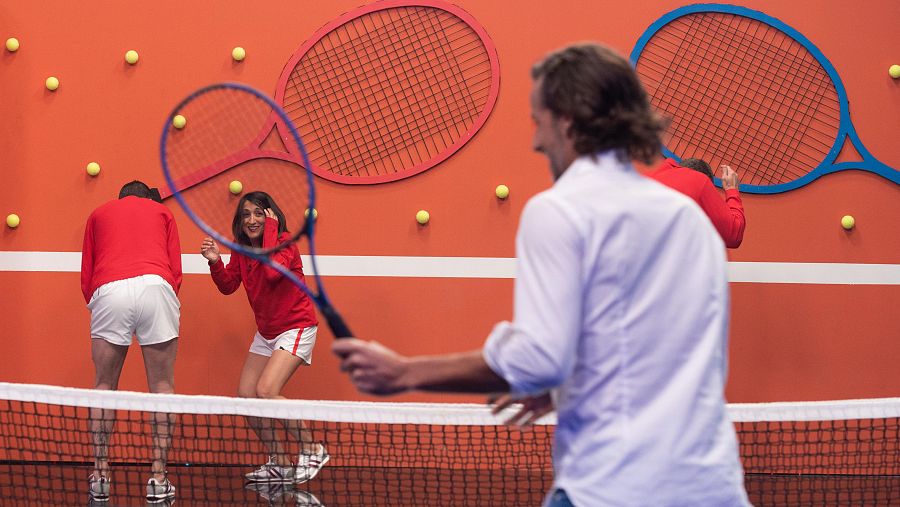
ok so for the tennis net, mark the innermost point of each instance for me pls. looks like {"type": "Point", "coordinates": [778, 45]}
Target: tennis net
{"type": "Point", "coordinates": [415, 454]}
{"type": "Point", "coordinates": [380, 453]}
{"type": "Point", "coordinates": [820, 453]}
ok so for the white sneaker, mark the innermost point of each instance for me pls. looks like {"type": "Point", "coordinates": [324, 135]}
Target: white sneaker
{"type": "Point", "coordinates": [99, 488]}
{"type": "Point", "coordinates": [308, 465]}
{"type": "Point", "coordinates": [158, 492]}
{"type": "Point", "coordinates": [271, 472]}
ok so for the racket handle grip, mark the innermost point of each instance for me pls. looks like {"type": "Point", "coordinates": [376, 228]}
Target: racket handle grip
{"type": "Point", "coordinates": [336, 322]}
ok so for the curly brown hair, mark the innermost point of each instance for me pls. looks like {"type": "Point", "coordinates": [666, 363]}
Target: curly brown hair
{"type": "Point", "coordinates": [598, 90]}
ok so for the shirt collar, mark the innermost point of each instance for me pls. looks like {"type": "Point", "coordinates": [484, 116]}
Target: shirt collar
{"type": "Point", "coordinates": [602, 161]}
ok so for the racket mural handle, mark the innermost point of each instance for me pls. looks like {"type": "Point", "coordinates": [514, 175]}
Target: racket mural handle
{"type": "Point", "coordinates": [335, 322]}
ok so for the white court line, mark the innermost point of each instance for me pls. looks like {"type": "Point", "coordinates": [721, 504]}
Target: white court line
{"type": "Point", "coordinates": [490, 267]}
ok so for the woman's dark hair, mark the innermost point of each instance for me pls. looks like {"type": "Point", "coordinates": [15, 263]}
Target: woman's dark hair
{"type": "Point", "coordinates": [263, 200]}
{"type": "Point", "coordinates": [699, 166]}
{"type": "Point", "coordinates": [599, 91]}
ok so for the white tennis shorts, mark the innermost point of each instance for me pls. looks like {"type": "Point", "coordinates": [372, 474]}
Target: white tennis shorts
{"type": "Point", "coordinates": [144, 306]}
{"type": "Point", "coordinates": [294, 341]}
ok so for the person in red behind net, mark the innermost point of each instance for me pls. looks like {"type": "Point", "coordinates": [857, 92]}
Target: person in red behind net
{"type": "Point", "coordinates": [727, 216]}
{"type": "Point", "coordinates": [287, 327]}
{"type": "Point", "coordinates": [130, 276]}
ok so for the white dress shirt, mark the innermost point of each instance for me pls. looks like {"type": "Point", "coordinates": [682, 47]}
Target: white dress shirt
{"type": "Point", "coordinates": [621, 302]}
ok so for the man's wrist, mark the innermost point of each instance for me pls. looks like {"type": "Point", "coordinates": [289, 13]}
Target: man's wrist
{"type": "Point", "coordinates": [410, 377]}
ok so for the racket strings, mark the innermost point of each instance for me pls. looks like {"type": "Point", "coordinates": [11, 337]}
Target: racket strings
{"type": "Point", "coordinates": [789, 110]}
{"type": "Point", "coordinates": [219, 123]}
{"type": "Point", "coordinates": [427, 117]}
{"type": "Point", "coordinates": [706, 99]}
{"type": "Point", "coordinates": [740, 139]}
{"type": "Point", "coordinates": [336, 55]}
{"type": "Point", "coordinates": [741, 91]}
{"type": "Point", "coordinates": [419, 94]}
{"type": "Point", "coordinates": [763, 162]}
{"type": "Point", "coordinates": [418, 80]}
{"type": "Point", "coordinates": [221, 143]}
{"type": "Point", "coordinates": [386, 47]}
{"type": "Point", "coordinates": [762, 102]}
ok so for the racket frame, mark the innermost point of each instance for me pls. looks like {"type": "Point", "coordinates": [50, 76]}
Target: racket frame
{"type": "Point", "coordinates": [338, 327]}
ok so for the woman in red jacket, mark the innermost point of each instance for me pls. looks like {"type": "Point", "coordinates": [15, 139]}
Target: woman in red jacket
{"type": "Point", "coordinates": [287, 325]}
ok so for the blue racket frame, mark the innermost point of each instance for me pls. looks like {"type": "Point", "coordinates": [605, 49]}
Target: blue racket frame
{"type": "Point", "coordinates": [338, 327]}
{"type": "Point", "coordinates": [845, 129]}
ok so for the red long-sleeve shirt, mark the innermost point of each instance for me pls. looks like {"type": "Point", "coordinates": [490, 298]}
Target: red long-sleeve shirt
{"type": "Point", "coordinates": [277, 303]}
{"type": "Point", "coordinates": [727, 216]}
{"type": "Point", "coordinates": [126, 238]}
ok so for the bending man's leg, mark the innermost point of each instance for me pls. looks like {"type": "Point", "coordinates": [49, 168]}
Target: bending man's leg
{"type": "Point", "coordinates": [159, 362]}
{"type": "Point", "coordinates": [108, 360]}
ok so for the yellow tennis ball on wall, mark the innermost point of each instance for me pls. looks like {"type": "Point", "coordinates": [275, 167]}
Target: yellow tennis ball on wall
{"type": "Point", "coordinates": [52, 83]}
{"type": "Point", "coordinates": [131, 56]}
{"type": "Point", "coordinates": [502, 191]}
{"type": "Point", "coordinates": [894, 71]}
{"type": "Point", "coordinates": [848, 222]}
{"type": "Point", "coordinates": [12, 44]}
{"type": "Point", "coordinates": [235, 187]}
{"type": "Point", "coordinates": [179, 121]}
{"type": "Point", "coordinates": [315, 213]}
{"type": "Point", "coordinates": [12, 220]}
{"type": "Point", "coordinates": [238, 54]}
{"type": "Point", "coordinates": [423, 217]}
{"type": "Point", "coordinates": [93, 168]}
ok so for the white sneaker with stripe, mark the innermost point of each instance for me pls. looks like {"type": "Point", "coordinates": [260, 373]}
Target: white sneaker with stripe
{"type": "Point", "coordinates": [99, 488]}
{"type": "Point", "coordinates": [159, 492]}
{"type": "Point", "coordinates": [271, 472]}
{"type": "Point", "coordinates": [308, 465]}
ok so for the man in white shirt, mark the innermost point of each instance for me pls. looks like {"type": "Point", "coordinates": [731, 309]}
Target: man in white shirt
{"type": "Point", "coordinates": [621, 307]}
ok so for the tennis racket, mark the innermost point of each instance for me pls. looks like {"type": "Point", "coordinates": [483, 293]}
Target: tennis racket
{"type": "Point", "coordinates": [226, 120]}
{"type": "Point", "coordinates": [742, 87]}
{"type": "Point", "coordinates": [384, 92]}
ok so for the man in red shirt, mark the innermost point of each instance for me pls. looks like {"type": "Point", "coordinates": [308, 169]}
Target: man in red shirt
{"type": "Point", "coordinates": [727, 216]}
{"type": "Point", "coordinates": [130, 276]}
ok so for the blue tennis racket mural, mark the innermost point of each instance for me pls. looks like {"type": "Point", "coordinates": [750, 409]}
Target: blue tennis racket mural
{"type": "Point", "coordinates": [741, 87]}
{"type": "Point", "coordinates": [231, 125]}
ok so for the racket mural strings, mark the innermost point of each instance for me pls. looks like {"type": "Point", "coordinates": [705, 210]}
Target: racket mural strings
{"type": "Point", "coordinates": [731, 48]}
{"type": "Point", "coordinates": [404, 85]}
{"type": "Point", "coordinates": [742, 87]}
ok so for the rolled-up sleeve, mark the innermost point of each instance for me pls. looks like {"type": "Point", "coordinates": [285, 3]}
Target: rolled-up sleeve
{"type": "Point", "coordinates": [536, 351]}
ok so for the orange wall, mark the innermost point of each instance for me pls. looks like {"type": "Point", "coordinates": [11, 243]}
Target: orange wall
{"type": "Point", "coordinates": [788, 341]}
